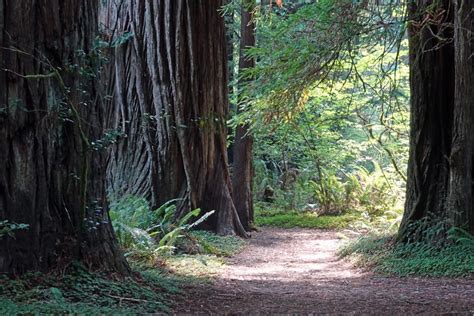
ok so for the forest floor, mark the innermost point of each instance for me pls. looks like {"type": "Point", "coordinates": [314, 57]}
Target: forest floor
{"type": "Point", "coordinates": [293, 271]}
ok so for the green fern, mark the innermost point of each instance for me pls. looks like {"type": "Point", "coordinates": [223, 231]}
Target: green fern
{"type": "Point", "coordinates": [146, 234]}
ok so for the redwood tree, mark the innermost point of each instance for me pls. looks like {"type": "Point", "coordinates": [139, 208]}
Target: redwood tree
{"type": "Point", "coordinates": [172, 75]}
{"type": "Point", "coordinates": [51, 122]}
{"type": "Point", "coordinates": [439, 186]}
{"type": "Point", "coordinates": [242, 166]}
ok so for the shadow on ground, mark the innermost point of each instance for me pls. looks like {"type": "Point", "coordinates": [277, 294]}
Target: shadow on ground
{"type": "Point", "coordinates": [295, 271]}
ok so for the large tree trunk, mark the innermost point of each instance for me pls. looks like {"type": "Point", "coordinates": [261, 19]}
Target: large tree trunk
{"type": "Point", "coordinates": [174, 73]}
{"type": "Point", "coordinates": [51, 168]}
{"type": "Point", "coordinates": [147, 162]}
{"type": "Point", "coordinates": [460, 197]}
{"type": "Point", "coordinates": [439, 182]}
{"type": "Point", "coordinates": [242, 167]}
{"type": "Point", "coordinates": [432, 87]}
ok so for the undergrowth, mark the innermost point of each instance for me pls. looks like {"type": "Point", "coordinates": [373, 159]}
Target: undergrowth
{"type": "Point", "coordinates": [201, 254]}
{"type": "Point", "coordinates": [291, 219]}
{"type": "Point", "coordinates": [164, 255]}
{"type": "Point", "coordinates": [383, 255]}
{"type": "Point", "coordinates": [148, 234]}
{"type": "Point", "coordinates": [79, 291]}
{"type": "Point", "coordinates": [148, 290]}
{"type": "Point", "coordinates": [152, 236]}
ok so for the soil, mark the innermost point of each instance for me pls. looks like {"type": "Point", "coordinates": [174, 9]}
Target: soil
{"type": "Point", "coordinates": [298, 271]}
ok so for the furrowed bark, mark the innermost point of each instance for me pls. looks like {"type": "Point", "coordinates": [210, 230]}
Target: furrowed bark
{"type": "Point", "coordinates": [460, 181]}
{"type": "Point", "coordinates": [51, 175]}
{"type": "Point", "coordinates": [178, 78]}
{"type": "Point", "coordinates": [439, 186]}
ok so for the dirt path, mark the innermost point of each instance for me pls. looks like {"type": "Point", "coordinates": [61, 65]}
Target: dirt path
{"type": "Point", "coordinates": [295, 271]}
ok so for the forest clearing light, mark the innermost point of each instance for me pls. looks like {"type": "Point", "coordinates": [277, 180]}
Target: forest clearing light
{"type": "Point", "coordinates": [317, 261]}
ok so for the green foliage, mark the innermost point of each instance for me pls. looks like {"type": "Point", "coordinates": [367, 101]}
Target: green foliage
{"type": "Point", "coordinates": [427, 258]}
{"type": "Point", "coordinates": [131, 217]}
{"type": "Point", "coordinates": [371, 190]}
{"type": "Point", "coordinates": [81, 292]}
{"type": "Point", "coordinates": [195, 268]}
{"type": "Point", "coordinates": [147, 235]}
{"type": "Point", "coordinates": [291, 219]}
{"type": "Point", "coordinates": [335, 100]}
{"type": "Point", "coordinates": [330, 194]}
{"type": "Point", "coordinates": [78, 291]}
{"type": "Point", "coordinates": [335, 139]}
{"type": "Point", "coordinates": [327, 39]}
{"type": "Point", "coordinates": [461, 237]}
{"type": "Point", "coordinates": [375, 199]}
{"type": "Point", "coordinates": [376, 192]}
{"type": "Point", "coordinates": [8, 229]}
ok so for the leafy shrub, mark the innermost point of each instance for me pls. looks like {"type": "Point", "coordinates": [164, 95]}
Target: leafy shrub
{"type": "Point", "coordinates": [371, 191]}
{"type": "Point", "coordinates": [330, 194]}
{"type": "Point", "coordinates": [171, 232]}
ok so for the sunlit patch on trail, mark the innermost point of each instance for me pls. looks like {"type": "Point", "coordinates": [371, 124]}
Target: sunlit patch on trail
{"type": "Point", "coordinates": [314, 258]}
{"type": "Point", "coordinates": [298, 271]}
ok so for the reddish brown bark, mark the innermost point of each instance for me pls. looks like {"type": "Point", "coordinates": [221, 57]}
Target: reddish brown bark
{"type": "Point", "coordinates": [439, 186]}
{"type": "Point", "coordinates": [460, 195]}
{"type": "Point", "coordinates": [175, 72]}
{"type": "Point", "coordinates": [51, 176]}
{"type": "Point", "coordinates": [242, 165]}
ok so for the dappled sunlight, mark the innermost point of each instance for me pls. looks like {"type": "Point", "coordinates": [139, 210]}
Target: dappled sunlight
{"type": "Point", "coordinates": [307, 257]}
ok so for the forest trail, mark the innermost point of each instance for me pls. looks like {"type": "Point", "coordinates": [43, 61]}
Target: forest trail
{"type": "Point", "coordinates": [293, 271]}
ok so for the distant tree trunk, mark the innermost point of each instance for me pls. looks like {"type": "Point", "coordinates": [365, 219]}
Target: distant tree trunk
{"type": "Point", "coordinates": [51, 169]}
{"type": "Point", "coordinates": [440, 163]}
{"type": "Point", "coordinates": [242, 167]}
{"type": "Point", "coordinates": [174, 73]}
{"type": "Point", "coordinates": [230, 39]}
{"type": "Point", "coordinates": [460, 199]}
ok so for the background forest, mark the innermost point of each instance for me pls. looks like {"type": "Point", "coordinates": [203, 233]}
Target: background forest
{"type": "Point", "coordinates": [146, 141]}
